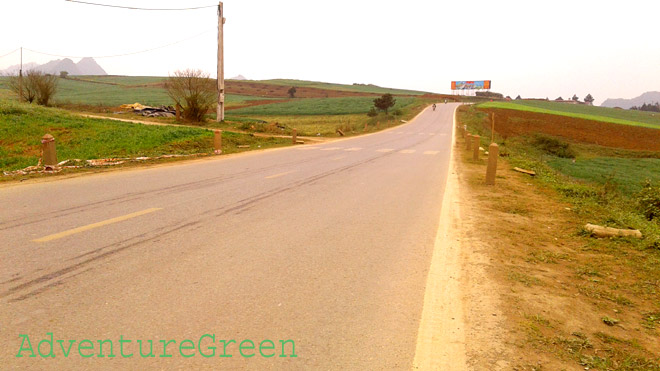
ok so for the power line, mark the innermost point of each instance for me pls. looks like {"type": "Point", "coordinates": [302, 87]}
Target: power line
{"type": "Point", "coordinates": [135, 8]}
{"type": "Point", "coordinates": [124, 54]}
{"type": "Point", "coordinates": [11, 52]}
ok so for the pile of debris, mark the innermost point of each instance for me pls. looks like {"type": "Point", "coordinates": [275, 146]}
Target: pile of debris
{"type": "Point", "coordinates": [147, 111]}
{"type": "Point", "coordinates": [77, 163]}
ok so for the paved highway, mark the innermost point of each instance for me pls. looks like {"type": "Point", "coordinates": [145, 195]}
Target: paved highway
{"type": "Point", "coordinates": [326, 245]}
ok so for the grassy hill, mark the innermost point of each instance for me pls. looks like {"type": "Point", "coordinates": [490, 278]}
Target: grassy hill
{"type": "Point", "coordinates": [603, 114]}
{"type": "Point", "coordinates": [342, 87]}
{"type": "Point", "coordinates": [113, 91]}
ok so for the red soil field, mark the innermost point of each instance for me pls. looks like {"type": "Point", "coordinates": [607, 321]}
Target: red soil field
{"type": "Point", "coordinates": [510, 123]}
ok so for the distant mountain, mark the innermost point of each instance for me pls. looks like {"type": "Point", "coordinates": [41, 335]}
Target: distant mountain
{"type": "Point", "coordinates": [86, 66]}
{"type": "Point", "coordinates": [239, 77]}
{"type": "Point", "coordinates": [648, 97]}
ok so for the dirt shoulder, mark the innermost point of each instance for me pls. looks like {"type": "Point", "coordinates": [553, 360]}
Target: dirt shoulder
{"type": "Point", "coordinates": [538, 294]}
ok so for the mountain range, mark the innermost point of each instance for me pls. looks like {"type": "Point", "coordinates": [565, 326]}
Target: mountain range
{"type": "Point", "coordinates": [650, 97]}
{"type": "Point", "coordinates": [85, 66]}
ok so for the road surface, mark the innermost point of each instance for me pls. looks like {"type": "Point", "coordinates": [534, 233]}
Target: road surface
{"type": "Point", "coordinates": [324, 247]}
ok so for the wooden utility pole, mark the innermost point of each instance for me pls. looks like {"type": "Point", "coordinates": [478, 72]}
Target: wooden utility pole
{"type": "Point", "coordinates": [492, 129]}
{"type": "Point", "coordinates": [20, 79]}
{"type": "Point", "coordinates": [221, 68]}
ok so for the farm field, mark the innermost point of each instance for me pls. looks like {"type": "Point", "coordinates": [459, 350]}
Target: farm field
{"type": "Point", "coordinates": [355, 88]}
{"type": "Point", "coordinates": [511, 123]}
{"type": "Point", "coordinates": [319, 106]}
{"type": "Point", "coordinates": [603, 114]}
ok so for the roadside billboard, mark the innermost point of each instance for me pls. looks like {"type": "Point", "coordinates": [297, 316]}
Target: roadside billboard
{"type": "Point", "coordinates": [470, 85]}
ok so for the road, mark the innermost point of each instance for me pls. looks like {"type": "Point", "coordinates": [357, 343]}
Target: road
{"type": "Point", "coordinates": [327, 245]}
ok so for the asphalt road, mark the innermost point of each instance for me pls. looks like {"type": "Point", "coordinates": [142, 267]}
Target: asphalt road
{"type": "Point", "coordinates": [327, 245]}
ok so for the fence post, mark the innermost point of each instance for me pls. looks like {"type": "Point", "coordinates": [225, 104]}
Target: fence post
{"type": "Point", "coordinates": [491, 170]}
{"type": "Point", "coordinates": [294, 136]}
{"type": "Point", "coordinates": [475, 153]}
{"type": "Point", "coordinates": [217, 142]}
{"type": "Point", "coordinates": [178, 112]}
{"type": "Point", "coordinates": [49, 156]}
{"type": "Point", "coordinates": [468, 141]}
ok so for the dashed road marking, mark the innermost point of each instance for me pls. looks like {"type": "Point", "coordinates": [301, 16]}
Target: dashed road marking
{"type": "Point", "coordinates": [385, 150]}
{"type": "Point", "coordinates": [431, 152]}
{"type": "Point", "coordinates": [407, 151]}
{"type": "Point", "coordinates": [353, 149]}
{"type": "Point", "coordinates": [279, 175]}
{"type": "Point", "coordinates": [330, 149]}
{"type": "Point", "coordinates": [95, 225]}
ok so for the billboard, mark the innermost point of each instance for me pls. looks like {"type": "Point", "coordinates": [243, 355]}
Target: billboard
{"type": "Point", "coordinates": [470, 85]}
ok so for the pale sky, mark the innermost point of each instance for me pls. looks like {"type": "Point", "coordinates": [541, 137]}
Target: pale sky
{"type": "Point", "coordinates": [532, 48]}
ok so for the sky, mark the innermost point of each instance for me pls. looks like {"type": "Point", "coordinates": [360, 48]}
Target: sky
{"type": "Point", "coordinates": [532, 48]}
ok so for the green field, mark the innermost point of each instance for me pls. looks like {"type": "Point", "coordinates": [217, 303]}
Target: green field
{"type": "Point", "coordinates": [23, 125]}
{"type": "Point", "coordinates": [115, 91]}
{"type": "Point", "coordinates": [341, 87]}
{"type": "Point", "coordinates": [616, 116]}
{"type": "Point", "coordinates": [627, 174]}
{"type": "Point", "coordinates": [319, 106]}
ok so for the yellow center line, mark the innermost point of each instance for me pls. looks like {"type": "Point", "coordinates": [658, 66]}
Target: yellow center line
{"type": "Point", "coordinates": [95, 225]}
{"type": "Point", "coordinates": [279, 175]}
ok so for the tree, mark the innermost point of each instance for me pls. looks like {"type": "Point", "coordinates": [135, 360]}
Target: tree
{"type": "Point", "coordinates": [292, 92]}
{"type": "Point", "coordinates": [589, 99]}
{"type": "Point", "coordinates": [385, 102]}
{"type": "Point", "coordinates": [560, 98]}
{"type": "Point", "coordinates": [194, 91]}
{"type": "Point", "coordinates": [36, 86]}
{"type": "Point", "coordinates": [575, 98]}
{"type": "Point", "coordinates": [64, 74]}
{"type": "Point", "coordinates": [518, 97]}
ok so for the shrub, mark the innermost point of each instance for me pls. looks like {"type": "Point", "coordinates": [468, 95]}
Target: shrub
{"type": "Point", "coordinates": [554, 146]}
{"type": "Point", "coordinates": [648, 200]}
{"type": "Point", "coordinates": [372, 112]}
{"type": "Point", "coordinates": [194, 91]}
{"type": "Point", "coordinates": [36, 86]}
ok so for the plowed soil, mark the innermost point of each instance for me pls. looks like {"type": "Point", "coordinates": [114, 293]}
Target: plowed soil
{"type": "Point", "coordinates": [281, 91]}
{"type": "Point", "coordinates": [509, 123]}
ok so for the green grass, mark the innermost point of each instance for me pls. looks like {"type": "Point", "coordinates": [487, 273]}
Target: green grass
{"type": "Point", "coordinates": [23, 125]}
{"type": "Point", "coordinates": [616, 116]}
{"type": "Point", "coordinates": [341, 87]}
{"type": "Point", "coordinates": [115, 91]}
{"type": "Point", "coordinates": [628, 174]}
{"type": "Point", "coordinates": [319, 106]}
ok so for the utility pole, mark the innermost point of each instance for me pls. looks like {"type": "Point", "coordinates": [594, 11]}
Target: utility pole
{"type": "Point", "coordinates": [20, 79]}
{"type": "Point", "coordinates": [221, 68]}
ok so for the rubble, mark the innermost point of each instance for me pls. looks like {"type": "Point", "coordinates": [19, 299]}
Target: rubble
{"type": "Point", "coordinates": [147, 111]}
{"type": "Point", "coordinates": [77, 163]}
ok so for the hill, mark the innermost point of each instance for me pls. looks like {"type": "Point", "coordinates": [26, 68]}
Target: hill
{"type": "Point", "coordinates": [86, 66]}
{"type": "Point", "coordinates": [648, 97]}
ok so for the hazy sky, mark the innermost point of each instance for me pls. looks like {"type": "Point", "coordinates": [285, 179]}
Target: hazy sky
{"type": "Point", "coordinates": [532, 48]}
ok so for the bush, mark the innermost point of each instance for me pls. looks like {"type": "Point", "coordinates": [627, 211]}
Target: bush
{"type": "Point", "coordinates": [648, 200]}
{"type": "Point", "coordinates": [372, 112]}
{"type": "Point", "coordinates": [37, 86]}
{"type": "Point", "coordinates": [194, 91]}
{"type": "Point", "coordinates": [554, 146]}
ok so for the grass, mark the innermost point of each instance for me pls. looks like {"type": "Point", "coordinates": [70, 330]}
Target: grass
{"type": "Point", "coordinates": [612, 115]}
{"type": "Point", "coordinates": [341, 87]}
{"type": "Point", "coordinates": [23, 125]}
{"type": "Point", "coordinates": [115, 91]}
{"type": "Point", "coordinates": [319, 106]}
{"type": "Point", "coordinates": [627, 174]}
